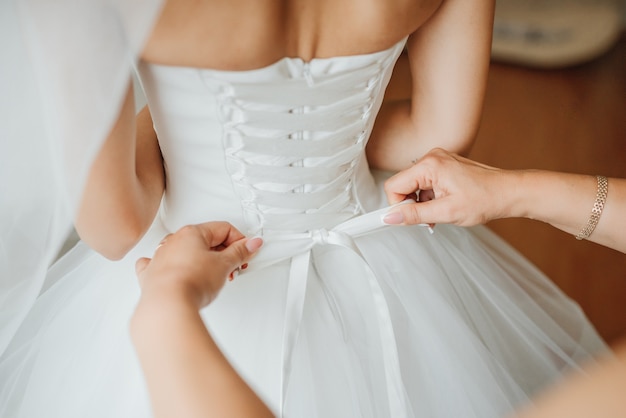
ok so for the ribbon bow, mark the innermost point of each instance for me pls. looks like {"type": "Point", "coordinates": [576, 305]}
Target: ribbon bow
{"type": "Point", "coordinates": [297, 247]}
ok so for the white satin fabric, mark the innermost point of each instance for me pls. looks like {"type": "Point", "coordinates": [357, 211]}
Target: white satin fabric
{"type": "Point", "coordinates": [337, 316]}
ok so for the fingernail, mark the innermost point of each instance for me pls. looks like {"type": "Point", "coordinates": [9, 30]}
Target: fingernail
{"type": "Point", "coordinates": [394, 218]}
{"type": "Point", "coordinates": [254, 244]}
{"type": "Point", "coordinates": [244, 266]}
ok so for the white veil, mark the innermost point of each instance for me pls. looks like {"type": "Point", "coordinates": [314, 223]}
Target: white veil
{"type": "Point", "coordinates": [64, 68]}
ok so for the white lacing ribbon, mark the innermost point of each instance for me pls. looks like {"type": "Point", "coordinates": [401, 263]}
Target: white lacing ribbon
{"type": "Point", "coordinates": [297, 247]}
{"type": "Point", "coordinates": [302, 138]}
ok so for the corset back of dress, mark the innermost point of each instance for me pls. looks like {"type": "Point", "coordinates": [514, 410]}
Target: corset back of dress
{"type": "Point", "coordinates": [278, 149]}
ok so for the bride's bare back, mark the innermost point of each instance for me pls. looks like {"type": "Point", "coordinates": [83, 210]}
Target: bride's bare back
{"type": "Point", "coordinates": [247, 34]}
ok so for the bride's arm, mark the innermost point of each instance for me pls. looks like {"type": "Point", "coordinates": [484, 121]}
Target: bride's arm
{"type": "Point", "coordinates": [125, 185]}
{"type": "Point", "coordinates": [449, 60]}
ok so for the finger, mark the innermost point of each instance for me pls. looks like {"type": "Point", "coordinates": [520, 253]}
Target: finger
{"type": "Point", "coordinates": [234, 274]}
{"type": "Point", "coordinates": [435, 211]}
{"type": "Point", "coordinates": [165, 239]}
{"type": "Point", "coordinates": [141, 265]}
{"type": "Point", "coordinates": [398, 186]}
{"type": "Point", "coordinates": [239, 252]}
{"type": "Point", "coordinates": [253, 244]}
{"type": "Point", "coordinates": [431, 212]}
{"type": "Point", "coordinates": [162, 242]}
{"type": "Point", "coordinates": [219, 233]}
{"type": "Point", "coordinates": [405, 183]}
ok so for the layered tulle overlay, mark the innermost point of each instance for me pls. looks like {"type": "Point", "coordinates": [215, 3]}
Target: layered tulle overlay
{"type": "Point", "coordinates": [338, 315]}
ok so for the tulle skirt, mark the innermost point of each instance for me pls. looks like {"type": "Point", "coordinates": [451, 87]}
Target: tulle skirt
{"type": "Point", "coordinates": [477, 331]}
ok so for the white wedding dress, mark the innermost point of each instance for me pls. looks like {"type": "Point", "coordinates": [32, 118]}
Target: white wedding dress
{"type": "Point", "coordinates": [338, 315]}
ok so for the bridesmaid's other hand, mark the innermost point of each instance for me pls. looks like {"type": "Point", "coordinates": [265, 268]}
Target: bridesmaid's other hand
{"type": "Point", "coordinates": [450, 189]}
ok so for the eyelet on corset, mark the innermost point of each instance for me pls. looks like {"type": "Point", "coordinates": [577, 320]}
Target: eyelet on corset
{"type": "Point", "coordinates": [360, 139]}
{"type": "Point", "coordinates": [233, 141]}
{"type": "Point", "coordinates": [372, 82]}
{"type": "Point", "coordinates": [225, 90]}
{"type": "Point", "coordinates": [254, 220]}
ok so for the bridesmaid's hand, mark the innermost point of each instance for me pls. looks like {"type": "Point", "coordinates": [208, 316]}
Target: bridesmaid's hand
{"type": "Point", "coordinates": [451, 189]}
{"type": "Point", "coordinates": [194, 262]}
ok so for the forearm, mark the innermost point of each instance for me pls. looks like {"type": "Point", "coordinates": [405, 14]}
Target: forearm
{"type": "Point", "coordinates": [598, 393]}
{"type": "Point", "coordinates": [124, 187]}
{"type": "Point", "coordinates": [397, 140]}
{"type": "Point", "coordinates": [565, 201]}
{"type": "Point", "coordinates": [186, 373]}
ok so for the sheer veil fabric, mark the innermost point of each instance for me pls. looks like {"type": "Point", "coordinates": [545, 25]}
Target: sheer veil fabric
{"type": "Point", "coordinates": [65, 67]}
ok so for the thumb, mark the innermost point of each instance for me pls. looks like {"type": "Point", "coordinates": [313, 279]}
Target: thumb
{"type": "Point", "coordinates": [240, 252]}
{"type": "Point", "coordinates": [417, 213]}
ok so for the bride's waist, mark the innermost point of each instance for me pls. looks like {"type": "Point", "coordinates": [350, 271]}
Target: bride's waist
{"type": "Point", "coordinates": [262, 208]}
{"type": "Point", "coordinates": [251, 218]}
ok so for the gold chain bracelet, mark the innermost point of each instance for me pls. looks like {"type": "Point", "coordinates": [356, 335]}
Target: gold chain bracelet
{"type": "Point", "coordinates": [598, 205]}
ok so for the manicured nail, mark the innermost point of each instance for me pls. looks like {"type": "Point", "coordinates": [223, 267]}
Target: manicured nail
{"type": "Point", "coordinates": [233, 274]}
{"type": "Point", "coordinates": [394, 218]}
{"type": "Point", "coordinates": [254, 244]}
{"type": "Point", "coordinates": [244, 266]}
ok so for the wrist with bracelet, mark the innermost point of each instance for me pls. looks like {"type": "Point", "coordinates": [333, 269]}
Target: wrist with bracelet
{"type": "Point", "coordinates": [596, 211]}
